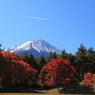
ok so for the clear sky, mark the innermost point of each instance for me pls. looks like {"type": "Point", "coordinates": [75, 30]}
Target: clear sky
{"type": "Point", "coordinates": [64, 24]}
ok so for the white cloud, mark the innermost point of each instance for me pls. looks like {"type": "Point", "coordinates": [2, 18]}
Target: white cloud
{"type": "Point", "coordinates": [37, 18]}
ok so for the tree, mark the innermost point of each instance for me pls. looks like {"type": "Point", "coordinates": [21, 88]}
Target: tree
{"type": "Point", "coordinates": [57, 72]}
{"type": "Point", "coordinates": [54, 55]}
{"type": "Point", "coordinates": [90, 60]}
{"type": "Point", "coordinates": [68, 57]}
{"type": "Point", "coordinates": [89, 79]}
{"type": "Point", "coordinates": [41, 62]}
{"type": "Point", "coordinates": [0, 48]}
{"type": "Point", "coordinates": [64, 54]}
{"type": "Point", "coordinates": [12, 69]}
{"type": "Point", "coordinates": [51, 56]}
{"type": "Point", "coordinates": [30, 59]}
{"type": "Point", "coordinates": [24, 57]}
{"type": "Point", "coordinates": [81, 60]}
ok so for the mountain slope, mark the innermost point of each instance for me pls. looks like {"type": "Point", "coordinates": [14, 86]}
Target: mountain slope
{"type": "Point", "coordinates": [36, 47]}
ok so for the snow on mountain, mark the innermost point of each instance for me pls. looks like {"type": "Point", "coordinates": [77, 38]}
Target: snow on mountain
{"type": "Point", "coordinates": [36, 47]}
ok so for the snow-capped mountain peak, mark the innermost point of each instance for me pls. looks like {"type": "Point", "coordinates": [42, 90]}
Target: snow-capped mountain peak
{"type": "Point", "coordinates": [36, 47]}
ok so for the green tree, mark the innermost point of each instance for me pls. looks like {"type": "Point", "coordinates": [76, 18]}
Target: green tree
{"type": "Point", "coordinates": [24, 57]}
{"type": "Point", "coordinates": [70, 58]}
{"type": "Point", "coordinates": [41, 61]}
{"type": "Point", "coordinates": [64, 54]}
{"type": "Point", "coordinates": [0, 48]}
{"type": "Point", "coordinates": [90, 60]}
{"type": "Point", "coordinates": [30, 59]}
{"type": "Point", "coordinates": [67, 56]}
{"type": "Point", "coordinates": [52, 55]}
{"type": "Point", "coordinates": [81, 60]}
{"type": "Point", "coordinates": [49, 58]}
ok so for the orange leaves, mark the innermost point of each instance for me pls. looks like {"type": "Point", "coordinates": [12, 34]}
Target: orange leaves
{"type": "Point", "coordinates": [89, 79]}
{"type": "Point", "coordinates": [12, 66]}
{"type": "Point", "coordinates": [93, 77]}
{"type": "Point", "coordinates": [11, 56]}
{"type": "Point", "coordinates": [88, 76]}
{"type": "Point", "coordinates": [88, 82]}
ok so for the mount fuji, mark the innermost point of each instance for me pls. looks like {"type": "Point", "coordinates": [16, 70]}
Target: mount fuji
{"type": "Point", "coordinates": [36, 47]}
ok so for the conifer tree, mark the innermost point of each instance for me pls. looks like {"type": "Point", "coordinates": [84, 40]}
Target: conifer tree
{"type": "Point", "coordinates": [68, 56]}
{"type": "Point", "coordinates": [30, 59]}
{"type": "Point", "coordinates": [24, 57]}
{"type": "Point", "coordinates": [41, 61]}
{"type": "Point", "coordinates": [90, 60]}
{"type": "Point", "coordinates": [81, 60]}
{"type": "Point", "coordinates": [64, 54]}
{"type": "Point", "coordinates": [52, 55]}
{"type": "Point", "coordinates": [71, 59]}
{"type": "Point", "coordinates": [49, 58]}
{"type": "Point", "coordinates": [0, 48]}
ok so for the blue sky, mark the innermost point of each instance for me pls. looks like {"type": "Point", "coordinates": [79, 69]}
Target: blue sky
{"type": "Point", "coordinates": [64, 24]}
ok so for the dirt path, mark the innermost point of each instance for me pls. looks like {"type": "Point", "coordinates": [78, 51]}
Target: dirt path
{"type": "Point", "coordinates": [35, 91]}
{"type": "Point", "coordinates": [42, 91]}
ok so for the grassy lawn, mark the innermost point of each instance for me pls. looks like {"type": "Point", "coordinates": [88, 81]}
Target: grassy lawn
{"type": "Point", "coordinates": [53, 91]}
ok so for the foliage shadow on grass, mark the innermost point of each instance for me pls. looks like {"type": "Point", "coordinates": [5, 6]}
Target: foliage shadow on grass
{"type": "Point", "coordinates": [76, 88]}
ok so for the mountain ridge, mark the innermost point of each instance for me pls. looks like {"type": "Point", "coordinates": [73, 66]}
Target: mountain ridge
{"type": "Point", "coordinates": [37, 47]}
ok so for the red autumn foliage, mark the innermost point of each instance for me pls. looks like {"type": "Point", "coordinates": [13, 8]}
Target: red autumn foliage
{"type": "Point", "coordinates": [89, 79]}
{"type": "Point", "coordinates": [12, 68]}
{"type": "Point", "coordinates": [58, 71]}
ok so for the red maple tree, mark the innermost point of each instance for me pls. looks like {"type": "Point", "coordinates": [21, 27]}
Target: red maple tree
{"type": "Point", "coordinates": [58, 71]}
{"type": "Point", "coordinates": [12, 69]}
{"type": "Point", "coordinates": [89, 79]}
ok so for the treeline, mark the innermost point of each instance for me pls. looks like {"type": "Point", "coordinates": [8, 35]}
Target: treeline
{"type": "Point", "coordinates": [83, 60]}
{"type": "Point", "coordinates": [29, 71]}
